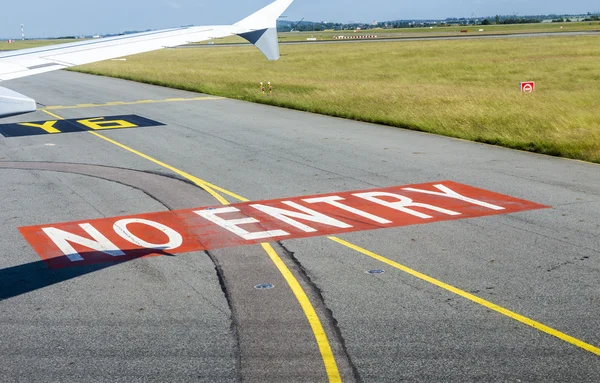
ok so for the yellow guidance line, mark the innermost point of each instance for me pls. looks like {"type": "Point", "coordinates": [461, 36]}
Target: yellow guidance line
{"type": "Point", "coordinates": [331, 368]}
{"type": "Point", "coordinates": [201, 183]}
{"type": "Point", "coordinates": [52, 114]}
{"type": "Point", "coordinates": [114, 103]}
{"type": "Point", "coordinates": [313, 319]}
{"type": "Point", "coordinates": [473, 298]}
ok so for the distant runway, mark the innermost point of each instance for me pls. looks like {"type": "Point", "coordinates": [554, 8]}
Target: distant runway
{"type": "Point", "coordinates": [470, 36]}
{"type": "Point", "coordinates": [457, 297]}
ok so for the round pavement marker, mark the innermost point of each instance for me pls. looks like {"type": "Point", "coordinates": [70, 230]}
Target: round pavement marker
{"type": "Point", "coordinates": [264, 286]}
{"type": "Point", "coordinates": [375, 271]}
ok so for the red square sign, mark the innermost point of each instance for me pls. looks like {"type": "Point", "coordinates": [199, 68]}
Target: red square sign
{"type": "Point", "coordinates": [527, 86]}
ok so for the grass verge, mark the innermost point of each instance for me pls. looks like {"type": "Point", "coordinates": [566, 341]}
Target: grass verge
{"type": "Point", "coordinates": [466, 89]}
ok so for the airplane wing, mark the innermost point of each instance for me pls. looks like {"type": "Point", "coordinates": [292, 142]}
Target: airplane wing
{"type": "Point", "coordinates": [259, 28]}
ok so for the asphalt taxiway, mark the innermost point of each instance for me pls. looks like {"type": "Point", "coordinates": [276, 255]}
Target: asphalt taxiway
{"type": "Point", "coordinates": [502, 298]}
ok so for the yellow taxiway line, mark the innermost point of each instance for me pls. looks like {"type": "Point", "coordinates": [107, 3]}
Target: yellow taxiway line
{"type": "Point", "coordinates": [138, 102]}
{"type": "Point", "coordinates": [472, 298]}
{"type": "Point", "coordinates": [331, 368]}
{"type": "Point", "coordinates": [328, 357]}
{"type": "Point", "coordinates": [426, 278]}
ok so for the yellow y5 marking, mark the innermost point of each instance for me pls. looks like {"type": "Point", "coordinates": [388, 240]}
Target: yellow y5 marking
{"type": "Point", "coordinates": [47, 126]}
{"type": "Point", "coordinates": [100, 123]}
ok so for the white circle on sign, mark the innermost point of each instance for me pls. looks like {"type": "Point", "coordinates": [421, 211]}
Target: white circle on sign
{"type": "Point", "coordinates": [175, 239]}
{"type": "Point", "coordinates": [527, 88]}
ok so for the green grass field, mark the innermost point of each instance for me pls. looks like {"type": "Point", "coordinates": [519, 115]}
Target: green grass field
{"type": "Point", "coordinates": [24, 44]}
{"type": "Point", "coordinates": [467, 89]}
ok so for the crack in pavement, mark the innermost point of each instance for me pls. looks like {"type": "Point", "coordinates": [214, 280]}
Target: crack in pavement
{"type": "Point", "coordinates": [323, 309]}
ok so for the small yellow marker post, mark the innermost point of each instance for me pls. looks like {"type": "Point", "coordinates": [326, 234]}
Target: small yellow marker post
{"type": "Point", "coordinates": [262, 87]}
{"type": "Point", "coordinates": [270, 88]}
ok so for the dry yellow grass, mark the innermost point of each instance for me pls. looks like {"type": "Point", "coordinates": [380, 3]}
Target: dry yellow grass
{"type": "Point", "coordinates": [467, 89]}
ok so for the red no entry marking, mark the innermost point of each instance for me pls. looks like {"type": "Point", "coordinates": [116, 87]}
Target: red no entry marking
{"type": "Point", "coordinates": [207, 228]}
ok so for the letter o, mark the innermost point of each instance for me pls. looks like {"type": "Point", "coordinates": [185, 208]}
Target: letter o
{"type": "Point", "coordinates": [175, 239]}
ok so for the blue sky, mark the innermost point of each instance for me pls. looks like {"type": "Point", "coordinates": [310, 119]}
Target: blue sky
{"type": "Point", "coordinates": [46, 18]}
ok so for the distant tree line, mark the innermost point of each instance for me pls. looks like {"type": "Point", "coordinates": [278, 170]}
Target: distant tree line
{"type": "Point", "coordinates": [519, 20]}
{"type": "Point", "coordinates": [307, 26]}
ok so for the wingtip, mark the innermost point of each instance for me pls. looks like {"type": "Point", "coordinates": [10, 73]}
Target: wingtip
{"type": "Point", "coordinates": [266, 41]}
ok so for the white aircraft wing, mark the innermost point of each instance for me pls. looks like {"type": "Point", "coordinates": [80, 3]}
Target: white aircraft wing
{"type": "Point", "coordinates": [258, 28]}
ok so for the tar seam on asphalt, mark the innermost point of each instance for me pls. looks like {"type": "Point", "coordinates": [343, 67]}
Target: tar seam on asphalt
{"type": "Point", "coordinates": [217, 266]}
{"type": "Point", "coordinates": [164, 203]}
{"type": "Point", "coordinates": [330, 318]}
{"type": "Point", "coordinates": [233, 311]}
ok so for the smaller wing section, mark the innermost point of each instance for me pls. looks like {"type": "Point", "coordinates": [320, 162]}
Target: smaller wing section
{"type": "Point", "coordinates": [265, 40]}
{"type": "Point", "coordinates": [260, 29]}
{"type": "Point", "coordinates": [13, 103]}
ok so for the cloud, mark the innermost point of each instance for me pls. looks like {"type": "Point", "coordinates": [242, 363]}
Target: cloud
{"type": "Point", "coordinates": [172, 4]}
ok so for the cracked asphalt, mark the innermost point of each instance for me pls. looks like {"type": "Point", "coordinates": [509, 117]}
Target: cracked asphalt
{"type": "Point", "coordinates": [199, 317]}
